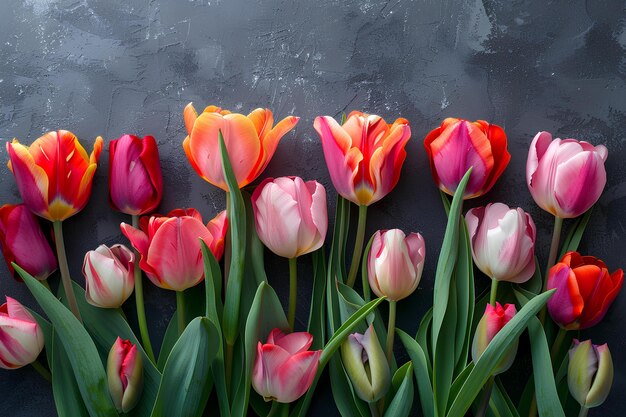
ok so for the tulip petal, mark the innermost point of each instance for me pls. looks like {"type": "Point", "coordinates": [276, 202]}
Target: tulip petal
{"type": "Point", "coordinates": [579, 183]}
{"type": "Point", "coordinates": [190, 115]}
{"type": "Point", "coordinates": [293, 342]}
{"type": "Point", "coordinates": [295, 376]}
{"type": "Point", "coordinates": [31, 179]}
{"type": "Point", "coordinates": [566, 304]}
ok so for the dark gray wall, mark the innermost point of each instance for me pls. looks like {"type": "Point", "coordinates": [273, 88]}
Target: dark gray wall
{"type": "Point", "coordinates": [129, 66]}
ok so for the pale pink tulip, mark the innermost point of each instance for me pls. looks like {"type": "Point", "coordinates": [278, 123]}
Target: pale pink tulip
{"type": "Point", "coordinates": [21, 338]}
{"type": "Point", "coordinates": [109, 275]}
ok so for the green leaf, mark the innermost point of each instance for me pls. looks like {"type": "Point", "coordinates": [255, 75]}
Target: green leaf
{"type": "Point", "coordinates": [445, 199]}
{"type": "Point", "coordinates": [402, 401]}
{"type": "Point", "coordinates": [82, 353]}
{"type": "Point", "coordinates": [575, 234]}
{"type": "Point", "coordinates": [493, 354]}
{"type": "Point", "coordinates": [346, 400]}
{"type": "Point", "coordinates": [420, 367]}
{"type": "Point", "coordinates": [422, 338]}
{"type": "Point", "coordinates": [336, 264]}
{"type": "Point", "coordinates": [364, 270]}
{"type": "Point", "coordinates": [316, 324]}
{"type": "Point", "coordinates": [459, 381]}
{"type": "Point", "coordinates": [464, 280]}
{"type": "Point", "coordinates": [500, 405]}
{"type": "Point", "coordinates": [66, 392]}
{"type": "Point", "coordinates": [255, 258]}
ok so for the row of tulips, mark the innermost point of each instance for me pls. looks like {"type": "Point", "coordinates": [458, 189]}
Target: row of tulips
{"type": "Point", "coordinates": [236, 336]}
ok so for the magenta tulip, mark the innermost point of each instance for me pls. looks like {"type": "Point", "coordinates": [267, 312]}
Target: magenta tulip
{"type": "Point", "coordinates": [291, 217]}
{"type": "Point", "coordinates": [284, 368]}
{"type": "Point", "coordinates": [494, 319]}
{"type": "Point", "coordinates": [21, 338]}
{"type": "Point", "coordinates": [565, 176]}
{"type": "Point", "coordinates": [124, 375]}
{"type": "Point", "coordinates": [109, 275]}
{"type": "Point", "coordinates": [503, 242]}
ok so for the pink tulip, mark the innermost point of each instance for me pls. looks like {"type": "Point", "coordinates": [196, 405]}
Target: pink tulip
{"type": "Point", "coordinates": [395, 263]}
{"type": "Point", "coordinates": [284, 368]}
{"type": "Point", "coordinates": [364, 156]}
{"type": "Point", "coordinates": [494, 319]}
{"type": "Point", "coordinates": [109, 275]}
{"type": "Point", "coordinates": [503, 242]}
{"type": "Point", "coordinates": [21, 338]}
{"type": "Point", "coordinates": [124, 375]}
{"type": "Point", "coordinates": [170, 250]}
{"type": "Point", "coordinates": [291, 217]}
{"type": "Point", "coordinates": [24, 243]}
{"type": "Point", "coordinates": [565, 176]}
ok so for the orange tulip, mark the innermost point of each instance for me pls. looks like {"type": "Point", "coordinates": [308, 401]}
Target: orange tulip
{"type": "Point", "coordinates": [54, 174]}
{"type": "Point", "coordinates": [251, 142]}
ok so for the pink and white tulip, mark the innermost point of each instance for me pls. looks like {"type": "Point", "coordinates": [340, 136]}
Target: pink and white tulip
{"type": "Point", "coordinates": [565, 176]}
{"type": "Point", "coordinates": [21, 338]}
{"type": "Point", "coordinates": [589, 373]}
{"type": "Point", "coordinates": [109, 275]}
{"type": "Point", "coordinates": [284, 368]}
{"type": "Point", "coordinates": [494, 319]}
{"type": "Point", "coordinates": [395, 263]}
{"type": "Point", "coordinates": [124, 375]}
{"type": "Point", "coordinates": [503, 242]}
{"type": "Point", "coordinates": [290, 215]}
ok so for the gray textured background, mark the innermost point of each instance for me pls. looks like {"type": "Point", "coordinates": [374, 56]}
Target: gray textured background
{"type": "Point", "coordinates": [113, 67]}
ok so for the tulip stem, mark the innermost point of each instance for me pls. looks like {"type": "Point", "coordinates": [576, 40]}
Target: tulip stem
{"type": "Point", "coordinates": [373, 409]}
{"type": "Point", "coordinates": [484, 403]}
{"type": "Point", "coordinates": [141, 309]}
{"type": "Point", "coordinates": [46, 284]}
{"type": "Point", "coordinates": [494, 292]}
{"type": "Point", "coordinates": [229, 364]}
{"type": "Point", "coordinates": [358, 245]}
{"type": "Point", "coordinates": [583, 412]}
{"type": "Point", "coordinates": [293, 292]}
{"type": "Point", "coordinates": [180, 311]}
{"type": "Point", "coordinates": [556, 347]}
{"type": "Point", "coordinates": [41, 370]}
{"type": "Point", "coordinates": [554, 248]}
{"type": "Point", "coordinates": [65, 270]}
{"type": "Point", "coordinates": [391, 330]}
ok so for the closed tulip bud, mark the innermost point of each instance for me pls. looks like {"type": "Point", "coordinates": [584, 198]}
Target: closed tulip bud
{"type": "Point", "coordinates": [395, 263]}
{"type": "Point", "coordinates": [135, 179]}
{"type": "Point", "coordinates": [109, 275]}
{"type": "Point", "coordinates": [494, 319]}
{"type": "Point", "coordinates": [364, 156]}
{"type": "Point", "coordinates": [459, 144]}
{"type": "Point", "coordinates": [584, 290]}
{"type": "Point", "coordinates": [366, 365]}
{"type": "Point", "coordinates": [291, 217]}
{"type": "Point", "coordinates": [24, 243]}
{"type": "Point", "coordinates": [565, 176]}
{"type": "Point", "coordinates": [589, 373]}
{"type": "Point", "coordinates": [125, 375]}
{"type": "Point", "coordinates": [503, 242]}
{"type": "Point", "coordinates": [284, 368]}
{"type": "Point", "coordinates": [21, 338]}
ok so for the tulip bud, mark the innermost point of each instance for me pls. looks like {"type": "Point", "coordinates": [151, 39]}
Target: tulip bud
{"type": "Point", "coordinates": [21, 338]}
{"type": "Point", "coordinates": [366, 365]}
{"type": "Point", "coordinates": [109, 275]}
{"type": "Point", "coordinates": [395, 263]}
{"type": "Point", "coordinates": [503, 242]}
{"type": "Point", "coordinates": [124, 375]}
{"type": "Point", "coordinates": [589, 373]}
{"type": "Point", "coordinates": [494, 319]}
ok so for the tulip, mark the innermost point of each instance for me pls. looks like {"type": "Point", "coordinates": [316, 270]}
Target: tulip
{"type": "Point", "coordinates": [589, 373]}
{"type": "Point", "coordinates": [565, 176]}
{"type": "Point", "coordinates": [135, 180]}
{"type": "Point", "coordinates": [250, 140]}
{"type": "Point", "coordinates": [459, 144]}
{"type": "Point", "coordinates": [109, 275]}
{"type": "Point", "coordinates": [21, 338]}
{"type": "Point", "coordinates": [124, 375]}
{"type": "Point", "coordinates": [584, 290]}
{"type": "Point", "coordinates": [170, 251]}
{"type": "Point", "coordinates": [364, 156]}
{"type": "Point", "coordinates": [54, 174]}
{"type": "Point", "coordinates": [24, 243]}
{"type": "Point", "coordinates": [494, 319]}
{"type": "Point", "coordinates": [503, 242]}
{"type": "Point", "coordinates": [284, 368]}
{"type": "Point", "coordinates": [366, 365]}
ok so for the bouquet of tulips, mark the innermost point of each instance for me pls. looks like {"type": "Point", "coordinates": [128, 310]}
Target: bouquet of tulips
{"type": "Point", "coordinates": [230, 340]}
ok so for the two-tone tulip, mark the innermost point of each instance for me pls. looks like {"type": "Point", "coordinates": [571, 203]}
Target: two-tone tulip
{"type": "Point", "coordinates": [364, 156]}
{"type": "Point", "coordinates": [493, 320]}
{"type": "Point", "coordinates": [135, 179]}
{"type": "Point", "coordinates": [250, 140]}
{"type": "Point", "coordinates": [284, 367]}
{"type": "Point", "coordinates": [124, 375]}
{"type": "Point", "coordinates": [459, 144]}
{"type": "Point", "coordinates": [169, 247]}
{"type": "Point", "coordinates": [24, 243]}
{"type": "Point", "coordinates": [21, 338]}
{"type": "Point", "coordinates": [54, 174]}
{"type": "Point", "coordinates": [584, 290]}
{"type": "Point", "coordinates": [589, 373]}
{"type": "Point", "coordinates": [565, 176]}
{"type": "Point", "coordinates": [503, 242]}
{"type": "Point", "coordinates": [109, 275]}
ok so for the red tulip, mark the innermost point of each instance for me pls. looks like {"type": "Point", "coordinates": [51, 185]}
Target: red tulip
{"type": "Point", "coordinates": [135, 180]}
{"type": "Point", "coordinates": [364, 156]}
{"type": "Point", "coordinates": [124, 375]}
{"type": "Point", "coordinates": [584, 290]}
{"type": "Point", "coordinates": [459, 144]}
{"type": "Point", "coordinates": [170, 251]}
{"type": "Point", "coordinates": [54, 174]}
{"type": "Point", "coordinates": [24, 243]}
{"type": "Point", "coordinates": [21, 338]}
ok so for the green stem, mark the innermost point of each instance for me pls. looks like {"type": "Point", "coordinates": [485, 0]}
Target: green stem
{"type": "Point", "coordinates": [358, 246]}
{"type": "Point", "coordinates": [373, 409]}
{"type": "Point", "coordinates": [65, 270]}
{"type": "Point", "coordinates": [484, 403]}
{"type": "Point", "coordinates": [285, 410]}
{"type": "Point", "coordinates": [41, 370]}
{"type": "Point", "coordinates": [494, 292]}
{"type": "Point", "coordinates": [583, 412]}
{"type": "Point", "coordinates": [278, 409]}
{"type": "Point", "coordinates": [556, 347]}
{"type": "Point", "coordinates": [293, 292]}
{"type": "Point", "coordinates": [391, 331]}
{"type": "Point", "coordinates": [554, 248]}
{"type": "Point", "coordinates": [229, 365]}
{"type": "Point", "coordinates": [180, 311]}
{"type": "Point", "coordinates": [141, 310]}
